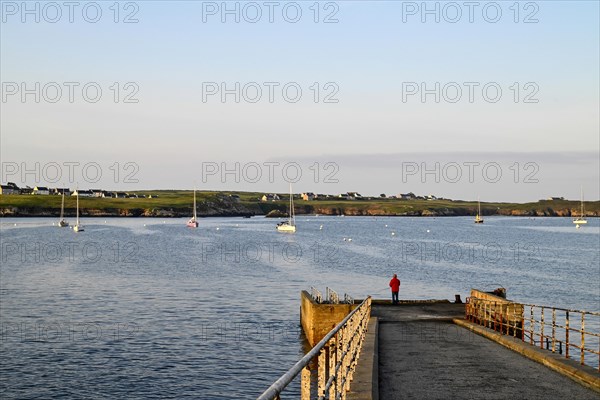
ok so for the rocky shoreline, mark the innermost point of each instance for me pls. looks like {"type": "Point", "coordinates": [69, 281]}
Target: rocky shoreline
{"type": "Point", "coordinates": [247, 211]}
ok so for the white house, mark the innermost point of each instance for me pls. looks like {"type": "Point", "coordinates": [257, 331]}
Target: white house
{"type": "Point", "coordinates": [83, 193]}
{"type": "Point", "coordinates": [308, 196]}
{"type": "Point", "coordinates": [60, 191]}
{"type": "Point", "coordinates": [350, 196]}
{"type": "Point", "coordinates": [5, 189]}
{"type": "Point", "coordinates": [270, 197]}
{"type": "Point", "coordinates": [41, 190]}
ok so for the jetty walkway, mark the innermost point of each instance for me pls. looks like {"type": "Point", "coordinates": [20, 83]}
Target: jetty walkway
{"type": "Point", "coordinates": [422, 354]}
{"type": "Point", "coordinates": [488, 348]}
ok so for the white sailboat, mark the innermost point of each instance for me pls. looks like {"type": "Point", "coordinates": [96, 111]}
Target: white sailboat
{"type": "Point", "coordinates": [78, 227]}
{"type": "Point", "coordinates": [581, 219]}
{"type": "Point", "coordinates": [62, 222]}
{"type": "Point", "coordinates": [193, 222]}
{"type": "Point", "coordinates": [290, 224]}
{"type": "Point", "coordinates": [478, 218]}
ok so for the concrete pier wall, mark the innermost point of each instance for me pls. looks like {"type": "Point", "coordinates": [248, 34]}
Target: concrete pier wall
{"type": "Point", "coordinates": [508, 314]}
{"type": "Point", "coordinates": [318, 319]}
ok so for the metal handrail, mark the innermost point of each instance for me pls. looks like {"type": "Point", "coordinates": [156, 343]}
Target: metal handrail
{"type": "Point", "coordinates": [316, 294]}
{"type": "Point", "coordinates": [348, 299]}
{"type": "Point", "coordinates": [498, 316]}
{"type": "Point", "coordinates": [332, 296]}
{"type": "Point", "coordinates": [319, 350]}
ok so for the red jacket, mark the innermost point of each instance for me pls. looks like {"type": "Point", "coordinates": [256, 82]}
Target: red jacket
{"type": "Point", "coordinates": [395, 284]}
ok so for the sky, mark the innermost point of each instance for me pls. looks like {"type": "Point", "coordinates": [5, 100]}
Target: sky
{"type": "Point", "coordinates": [496, 100]}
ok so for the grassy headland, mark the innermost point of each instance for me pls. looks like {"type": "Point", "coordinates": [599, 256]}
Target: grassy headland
{"type": "Point", "coordinates": [178, 203]}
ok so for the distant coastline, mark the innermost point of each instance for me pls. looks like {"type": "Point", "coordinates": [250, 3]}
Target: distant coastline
{"type": "Point", "coordinates": [177, 204]}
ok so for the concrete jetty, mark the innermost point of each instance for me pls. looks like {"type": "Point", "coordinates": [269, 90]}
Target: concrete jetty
{"type": "Point", "coordinates": [487, 348]}
{"type": "Point", "coordinates": [422, 354]}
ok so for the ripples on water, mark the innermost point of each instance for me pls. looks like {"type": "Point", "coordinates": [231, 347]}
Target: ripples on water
{"type": "Point", "coordinates": [145, 308]}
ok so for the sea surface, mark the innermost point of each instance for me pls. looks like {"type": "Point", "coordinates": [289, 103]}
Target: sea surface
{"type": "Point", "coordinates": [149, 309]}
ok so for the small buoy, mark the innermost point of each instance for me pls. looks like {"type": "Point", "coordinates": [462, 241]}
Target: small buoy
{"type": "Point", "coordinates": [344, 238]}
{"type": "Point", "coordinates": [393, 233]}
{"type": "Point", "coordinates": [237, 225]}
{"type": "Point", "coordinates": [104, 221]}
{"type": "Point", "coordinates": [349, 239]}
{"type": "Point", "coordinates": [427, 230]}
{"type": "Point", "coordinates": [218, 228]}
{"type": "Point", "coordinates": [15, 224]}
{"type": "Point", "coordinates": [144, 224]}
{"type": "Point", "coordinates": [320, 227]}
{"type": "Point", "coordinates": [386, 225]}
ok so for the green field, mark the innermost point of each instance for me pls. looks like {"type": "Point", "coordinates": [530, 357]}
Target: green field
{"type": "Point", "coordinates": [176, 199]}
{"type": "Point", "coordinates": [220, 203]}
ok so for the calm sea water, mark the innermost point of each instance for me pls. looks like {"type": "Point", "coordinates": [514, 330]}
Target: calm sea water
{"type": "Point", "coordinates": [146, 308]}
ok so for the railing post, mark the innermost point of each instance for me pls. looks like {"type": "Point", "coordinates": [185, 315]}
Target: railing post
{"type": "Point", "coordinates": [340, 343]}
{"type": "Point", "coordinates": [514, 315]}
{"type": "Point", "coordinates": [542, 329]}
{"type": "Point", "coordinates": [582, 337]}
{"type": "Point", "coordinates": [567, 334]}
{"type": "Point", "coordinates": [332, 362]}
{"type": "Point", "coordinates": [481, 313]}
{"type": "Point", "coordinates": [352, 342]}
{"type": "Point", "coordinates": [305, 384]}
{"type": "Point", "coordinates": [553, 330]}
{"type": "Point", "coordinates": [321, 378]}
{"type": "Point", "coordinates": [495, 316]}
{"type": "Point", "coordinates": [507, 319]}
{"type": "Point", "coordinates": [531, 321]}
{"type": "Point", "coordinates": [485, 313]}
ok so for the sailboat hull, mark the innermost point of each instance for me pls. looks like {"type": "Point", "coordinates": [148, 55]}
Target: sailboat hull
{"type": "Point", "coordinates": [192, 224]}
{"type": "Point", "coordinates": [78, 228]}
{"type": "Point", "coordinates": [288, 226]}
{"type": "Point", "coordinates": [63, 224]}
{"type": "Point", "coordinates": [580, 221]}
{"type": "Point", "coordinates": [285, 227]}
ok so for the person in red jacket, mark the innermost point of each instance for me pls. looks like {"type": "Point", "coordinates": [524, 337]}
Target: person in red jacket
{"type": "Point", "coordinates": [395, 285]}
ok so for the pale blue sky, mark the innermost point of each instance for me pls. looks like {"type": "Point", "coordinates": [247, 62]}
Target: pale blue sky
{"type": "Point", "coordinates": [368, 54]}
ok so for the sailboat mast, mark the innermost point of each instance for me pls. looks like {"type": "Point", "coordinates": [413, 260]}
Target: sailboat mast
{"type": "Point", "coordinates": [292, 218]}
{"type": "Point", "coordinates": [77, 218]}
{"type": "Point", "coordinates": [194, 204]}
{"type": "Point", "coordinates": [582, 202]}
{"type": "Point", "coordinates": [62, 206]}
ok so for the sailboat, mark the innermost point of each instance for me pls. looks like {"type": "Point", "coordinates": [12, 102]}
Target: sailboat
{"type": "Point", "coordinates": [62, 222]}
{"type": "Point", "coordinates": [193, 222]}
{"type": "Point", "coordinates": [78, 227]}
{"type": "Point", "coordinates": [478, 218]}
{"type": "Point", "coordinates": [290, 224]}
{"type": "Point", "coordinates": [581, 219]}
